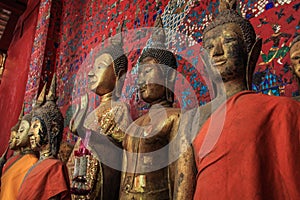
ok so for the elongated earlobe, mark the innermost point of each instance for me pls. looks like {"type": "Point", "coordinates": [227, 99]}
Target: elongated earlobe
{"type": "Point", "coordinates": [170, 83]}
{"type": "Point", "coordinates": [120, 82]}
{"type": "Point", "coordinates": [251, 62]}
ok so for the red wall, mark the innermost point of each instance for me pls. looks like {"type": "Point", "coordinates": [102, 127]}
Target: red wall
{"type": "Point", "coordinates": [12, 88]}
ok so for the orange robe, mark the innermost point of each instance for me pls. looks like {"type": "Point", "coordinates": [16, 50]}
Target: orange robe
{"type": "Point", "coordinates": [10, 162]}
{"type": "Point", "coordinates": [257, 153]}
{"type": "Point", "coordinates": [14, 174]}
{"type": "Point", "coordinates": [46, 179]}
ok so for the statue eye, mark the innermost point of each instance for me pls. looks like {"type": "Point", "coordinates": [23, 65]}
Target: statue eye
{"type": "Point", "coordinates": [148, 69]}
{"type": "Point", "coordinates": [209, 46]}
{"type": "Point", "coordinates": [295, 57]}
{"type": "Point", "coordinates": [35, 126]}
{"type": "Point", "coordinates": [229, 39]}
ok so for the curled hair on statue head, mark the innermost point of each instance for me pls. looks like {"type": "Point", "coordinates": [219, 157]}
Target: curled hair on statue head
{"type": "Point", "coordinates": [295, 40]}
{"type": "Point", "coordinates": [167, 60]}
{"type": "Point", "coordinates": [27, 117]}
{"type": "Point", "coordinates": [228, 14]}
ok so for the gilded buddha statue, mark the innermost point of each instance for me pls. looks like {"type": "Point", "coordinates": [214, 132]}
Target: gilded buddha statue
{"type": "Point", "coordinates": [242, 148]}
{"type": "Point", "coordinates": [48, 178]}
{"type": "Point", "coordinates": [12, 145]}
{"type": "Point", "coordinates": [104, 128]}
{"type": "Point", "coordinates": [295, 61]}
{"type": "Point", "coordinates": [151, 169]}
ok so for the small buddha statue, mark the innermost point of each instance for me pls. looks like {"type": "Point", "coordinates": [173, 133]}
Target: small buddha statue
{"type": "Point", "coordinates": [295, 61]}
{"type": "Point", "coordinates": [48, 178]}
{"type": "Point", "coordinates": [151, 170]}
{"type": "Point", "coordinates": [14, 176]}
{"type": "Point", "coordinates": [4, 164]}
{"type": "Point", "coordinates": [19, 164]}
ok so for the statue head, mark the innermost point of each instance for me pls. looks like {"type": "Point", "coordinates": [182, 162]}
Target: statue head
{"type": "Point", "coordinates": [295, 58]}
{"type": "Point", "coordinates": [13, 139]}
{"type": "Point", "coordinates": [47, 124]}
{"type": "Point", "coordinates": [229, 40]}
{"type": "Point", "coordinates": [109, 68]}
{"type": "Point", "coordinates": [157, 69]}
{"type": "Point", "coordinates": [22, 134]}
{"type": "Point", "coordinates": [12, 143]}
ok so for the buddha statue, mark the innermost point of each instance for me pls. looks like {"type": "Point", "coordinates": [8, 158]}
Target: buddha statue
{"type": "Point", "coordinates": [16, 172]}
{"type": "Point", "coordinates": [102, 130]}
{"type": "Point", "coordinates": [239, 150]}
{"type": "Point", "coordinates": [151, 168]}
{"type": "Point", "coordinates": [295, 61]}
{"type": "Point", "coordinates": [4, 165]}
{"type": "Point", "coordinates": [24, 158]}
{"type": "Point", "coordinates": [231, 53]}
{"type": "Point", "coordinates": [48, 178]}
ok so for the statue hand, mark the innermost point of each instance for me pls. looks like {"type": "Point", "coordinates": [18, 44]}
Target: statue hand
{"type": "Point", "coordinates": [79, 116]}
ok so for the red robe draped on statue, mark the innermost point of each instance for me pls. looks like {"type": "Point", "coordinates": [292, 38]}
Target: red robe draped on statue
{"type": "Point", "coordinates": [46, 179]}
{"type": "Point", "coordinates": [257, 154]}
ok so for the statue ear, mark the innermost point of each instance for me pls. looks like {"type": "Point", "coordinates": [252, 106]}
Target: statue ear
{"type": "Point", "coordinates": [54, 129]}
{"type": "Point", "coordinates": [251, 62]}
{"type": "Point", "coordinates": [170, 83]}
{"type": "Point", "coordinates": [170, 78]}
{"type": "Point", "coordinates": [120, 82]}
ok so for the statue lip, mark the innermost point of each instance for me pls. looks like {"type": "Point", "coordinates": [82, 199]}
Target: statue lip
{"type": "Point", "coordinates": [219, 62]}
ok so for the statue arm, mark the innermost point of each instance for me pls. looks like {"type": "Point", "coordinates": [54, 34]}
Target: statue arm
{"type": "Point", "coordinates": [185, 176]}
{"type": "Point", "coordinates": [184, 170]}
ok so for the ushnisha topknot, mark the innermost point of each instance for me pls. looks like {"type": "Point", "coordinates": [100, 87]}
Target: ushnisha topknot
{"type": "Point", "coordinates": [157, 48]}
{"type": "Point", "coordinates": [228, 14]}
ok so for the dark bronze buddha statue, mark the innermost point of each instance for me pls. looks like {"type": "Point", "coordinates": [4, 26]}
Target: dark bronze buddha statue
{"type": "Point", "coordinates": [48, 178]}
{"type": "Point", "coordinates": [154, 167]}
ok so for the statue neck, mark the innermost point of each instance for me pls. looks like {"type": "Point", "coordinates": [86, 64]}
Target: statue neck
{"type": "Point", "coordinates": [234, 86]}
{"type": "Point", "coordinates": [46, 152]}
{"type": "Point", "coordinates": [161, 102]}
{"type": "Point", "coordinates": [107, 97]}
{"type": "Point", "coordinates": [26, 150]}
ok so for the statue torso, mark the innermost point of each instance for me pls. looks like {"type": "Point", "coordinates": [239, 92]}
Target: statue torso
{"type": "Point", "coordinates": [147, 154]}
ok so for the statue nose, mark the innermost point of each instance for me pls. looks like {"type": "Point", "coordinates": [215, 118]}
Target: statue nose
{"type": "Point", "coordinates": [91, 73]}
{"type": "Point", "coordinates": [218, 49]}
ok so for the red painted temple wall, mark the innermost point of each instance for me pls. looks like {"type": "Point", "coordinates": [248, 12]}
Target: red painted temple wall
{"type": "Point", "coordinates": [13, 83]}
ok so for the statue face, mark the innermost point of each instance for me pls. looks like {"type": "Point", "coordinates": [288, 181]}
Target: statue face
{"type": "Point", "coordinates": [102, 79]}
{"type": "Point", "coordinates": [22, 135]}
{"type": "Point", "coordinates": [12, 140]}
{"type": "Point", "coordinates": [295, 59]}
{"type": "Point", "coordinates": [151, 80]}
{"type": "Point", "coordinates": [35, 134]}
{"type": "Point", "coordinates": [227, 49]}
